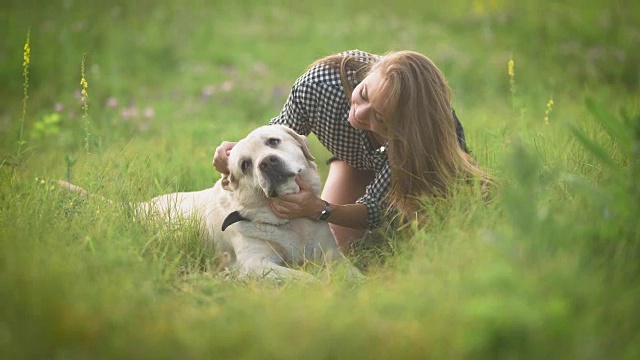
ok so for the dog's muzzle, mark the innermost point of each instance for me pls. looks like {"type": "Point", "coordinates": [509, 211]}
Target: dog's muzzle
{"type": "Point", "coordinates": [276, 173]}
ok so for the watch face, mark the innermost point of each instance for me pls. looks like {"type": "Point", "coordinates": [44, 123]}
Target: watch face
{"type": "Point", "coordinates": [324, 215]}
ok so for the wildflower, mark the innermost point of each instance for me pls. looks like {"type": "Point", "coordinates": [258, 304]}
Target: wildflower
{"type": "Point", "coordinates": [226, 86]}
{"type": "Point", "coordinates": [112, 102]}
{"type": "Point", "coordinates": [512, 82]}
{"type": "Point", "coordinates": [149, 112]}
{"type": "Point", "coordinates": [85, 86]}
{"type": "Point", "coordinates": [130, 112]}
{"type": "Point", "coordinates": [26, 55]}
{"type": "Point", "coordinates": [58, 107]}
{"type": "Point", "coordinates": [548, 111]}
{"type": "Point", "coordinates": [511, 66]}
{"type": "Point", "coordinates": [26, 59]}
{"type": "Point", "coordinates": [85, 106]}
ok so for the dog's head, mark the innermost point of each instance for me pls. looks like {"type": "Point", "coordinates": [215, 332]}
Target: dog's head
{"type": "Point", "coordinates": [267, 161]}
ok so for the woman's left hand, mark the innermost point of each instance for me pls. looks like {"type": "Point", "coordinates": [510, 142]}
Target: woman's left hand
{"type": "Point", "coordinates": [304, 203]}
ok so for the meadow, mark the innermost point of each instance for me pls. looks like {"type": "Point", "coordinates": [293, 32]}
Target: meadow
{"type": "Point", "coordinates": [129, 99]}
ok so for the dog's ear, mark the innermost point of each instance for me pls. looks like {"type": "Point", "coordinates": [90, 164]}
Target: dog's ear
{"type": "Point", "coordinates": [304, 143]}
{"type": "Point", "coordinates": [229, 183]}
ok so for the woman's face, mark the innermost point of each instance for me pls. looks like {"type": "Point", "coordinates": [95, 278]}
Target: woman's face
{"type": "Point", "coordinates": [363, 114]}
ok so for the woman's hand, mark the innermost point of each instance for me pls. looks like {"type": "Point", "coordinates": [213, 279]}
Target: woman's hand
{"type": "Point", "coordinates": [221, 157]}
{"type": "Point", "coordinates": [301, 204]}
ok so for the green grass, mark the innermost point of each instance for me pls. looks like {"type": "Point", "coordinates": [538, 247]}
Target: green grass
{"type": "Point", "coordinates": [549, 269]}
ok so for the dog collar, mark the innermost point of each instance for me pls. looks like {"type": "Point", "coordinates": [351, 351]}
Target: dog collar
{"type": "Point", "coordinates": [232, 218]}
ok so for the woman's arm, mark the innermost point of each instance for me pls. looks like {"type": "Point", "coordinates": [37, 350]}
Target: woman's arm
{"type": "Point", "coordinates": [306, 204]}
{"type": "Point", "coordinates": [353, 216]}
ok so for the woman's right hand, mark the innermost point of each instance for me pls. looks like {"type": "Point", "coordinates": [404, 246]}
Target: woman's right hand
{"type": "Point", "coordinates": [221, 157]}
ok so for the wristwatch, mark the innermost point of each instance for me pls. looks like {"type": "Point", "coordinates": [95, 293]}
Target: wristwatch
{"type": "Point", "coordinates": [324, 214]}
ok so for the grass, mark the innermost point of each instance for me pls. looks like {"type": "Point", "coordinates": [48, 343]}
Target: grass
{"type": "Point", "coordinates": [549, 269]}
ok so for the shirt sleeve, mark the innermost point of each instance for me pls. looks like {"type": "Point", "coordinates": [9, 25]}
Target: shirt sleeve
{"type": "Point", "coordinates": [298, 112]}
{"type": "Point", "coordinates": [374, 197]}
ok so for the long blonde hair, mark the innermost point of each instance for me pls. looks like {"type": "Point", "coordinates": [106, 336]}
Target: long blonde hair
{"type": "Point", "coordinates": [424, 153]}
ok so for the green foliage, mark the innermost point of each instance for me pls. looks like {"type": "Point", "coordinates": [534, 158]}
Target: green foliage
{"type": "Point", "coordinates": [48, 125]}
{"type": "Point", "coordinates": [545, 268]}
{"type": "Point", "coordinates": [619, 236]}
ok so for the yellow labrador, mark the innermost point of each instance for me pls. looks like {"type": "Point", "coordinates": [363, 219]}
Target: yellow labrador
{"type": "Point", "coordinates": [236, 217]}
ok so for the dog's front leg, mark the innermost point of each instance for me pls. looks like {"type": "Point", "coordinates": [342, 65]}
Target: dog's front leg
{"type": "Point", "coordinates": [265, 268]}
{"type": "Point", "coordinates": [341, 265]}
{"type": "Point", "coordinates": [327, 251]}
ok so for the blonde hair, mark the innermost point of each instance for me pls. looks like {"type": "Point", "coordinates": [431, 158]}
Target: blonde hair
{"type": "Point", "coordinates": [424, 153]}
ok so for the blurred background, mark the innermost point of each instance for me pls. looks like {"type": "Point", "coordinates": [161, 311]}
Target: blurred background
{"type": "Point", "coordinates": [547, 92]}
{"type": "Point", "coordinates": [205, 58]}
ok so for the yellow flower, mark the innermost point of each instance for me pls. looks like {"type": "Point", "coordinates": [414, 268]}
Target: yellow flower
{"type": "Point", "coordinates": [85, 86]}
{"type": "Point", "coordinates": [26, 55]}
{"type": "Point", "coordinates": [85, 106]}
{"type": "Point", "coordinates": [511, 67]}
{"type": "Point", "coordinates": [548, 111]}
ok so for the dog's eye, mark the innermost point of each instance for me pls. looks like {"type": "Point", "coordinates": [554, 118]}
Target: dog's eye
{"type": "Point", "coordinates": [273, 142]}
{"type": "Point", "coordinates": [245, 164]}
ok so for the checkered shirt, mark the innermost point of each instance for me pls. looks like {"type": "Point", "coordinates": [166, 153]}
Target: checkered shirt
{"type": "Point", "coordinates": [317, 104]}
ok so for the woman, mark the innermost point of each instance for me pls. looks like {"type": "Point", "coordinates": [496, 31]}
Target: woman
{"type": "Point", "coordinates": [394, 137]}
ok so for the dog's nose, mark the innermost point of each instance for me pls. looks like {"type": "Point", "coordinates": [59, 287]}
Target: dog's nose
{"type": "Point", "coordinates": [270, 162]}
{"type": "Point", "coordinates": [275, 171]}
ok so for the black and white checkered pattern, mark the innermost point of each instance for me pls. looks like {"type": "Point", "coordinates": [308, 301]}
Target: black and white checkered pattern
{"type": "Point", "coordinates": [317, 104]}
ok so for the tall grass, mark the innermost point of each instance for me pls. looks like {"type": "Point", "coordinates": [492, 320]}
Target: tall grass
{"type": "Point", "coordinates": [548, 269]}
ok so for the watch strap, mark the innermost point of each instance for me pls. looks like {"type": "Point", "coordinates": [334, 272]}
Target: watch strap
{"type": "Point", "coordinates": [324, 214]}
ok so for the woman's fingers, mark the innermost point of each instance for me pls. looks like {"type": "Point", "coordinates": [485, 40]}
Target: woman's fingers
{"type": "Point", "coordinates": [221, 157]}
{"type": "Point", "coordinates": [302, 184]}
{"type": "Point", "coordinates": [279, 210]}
